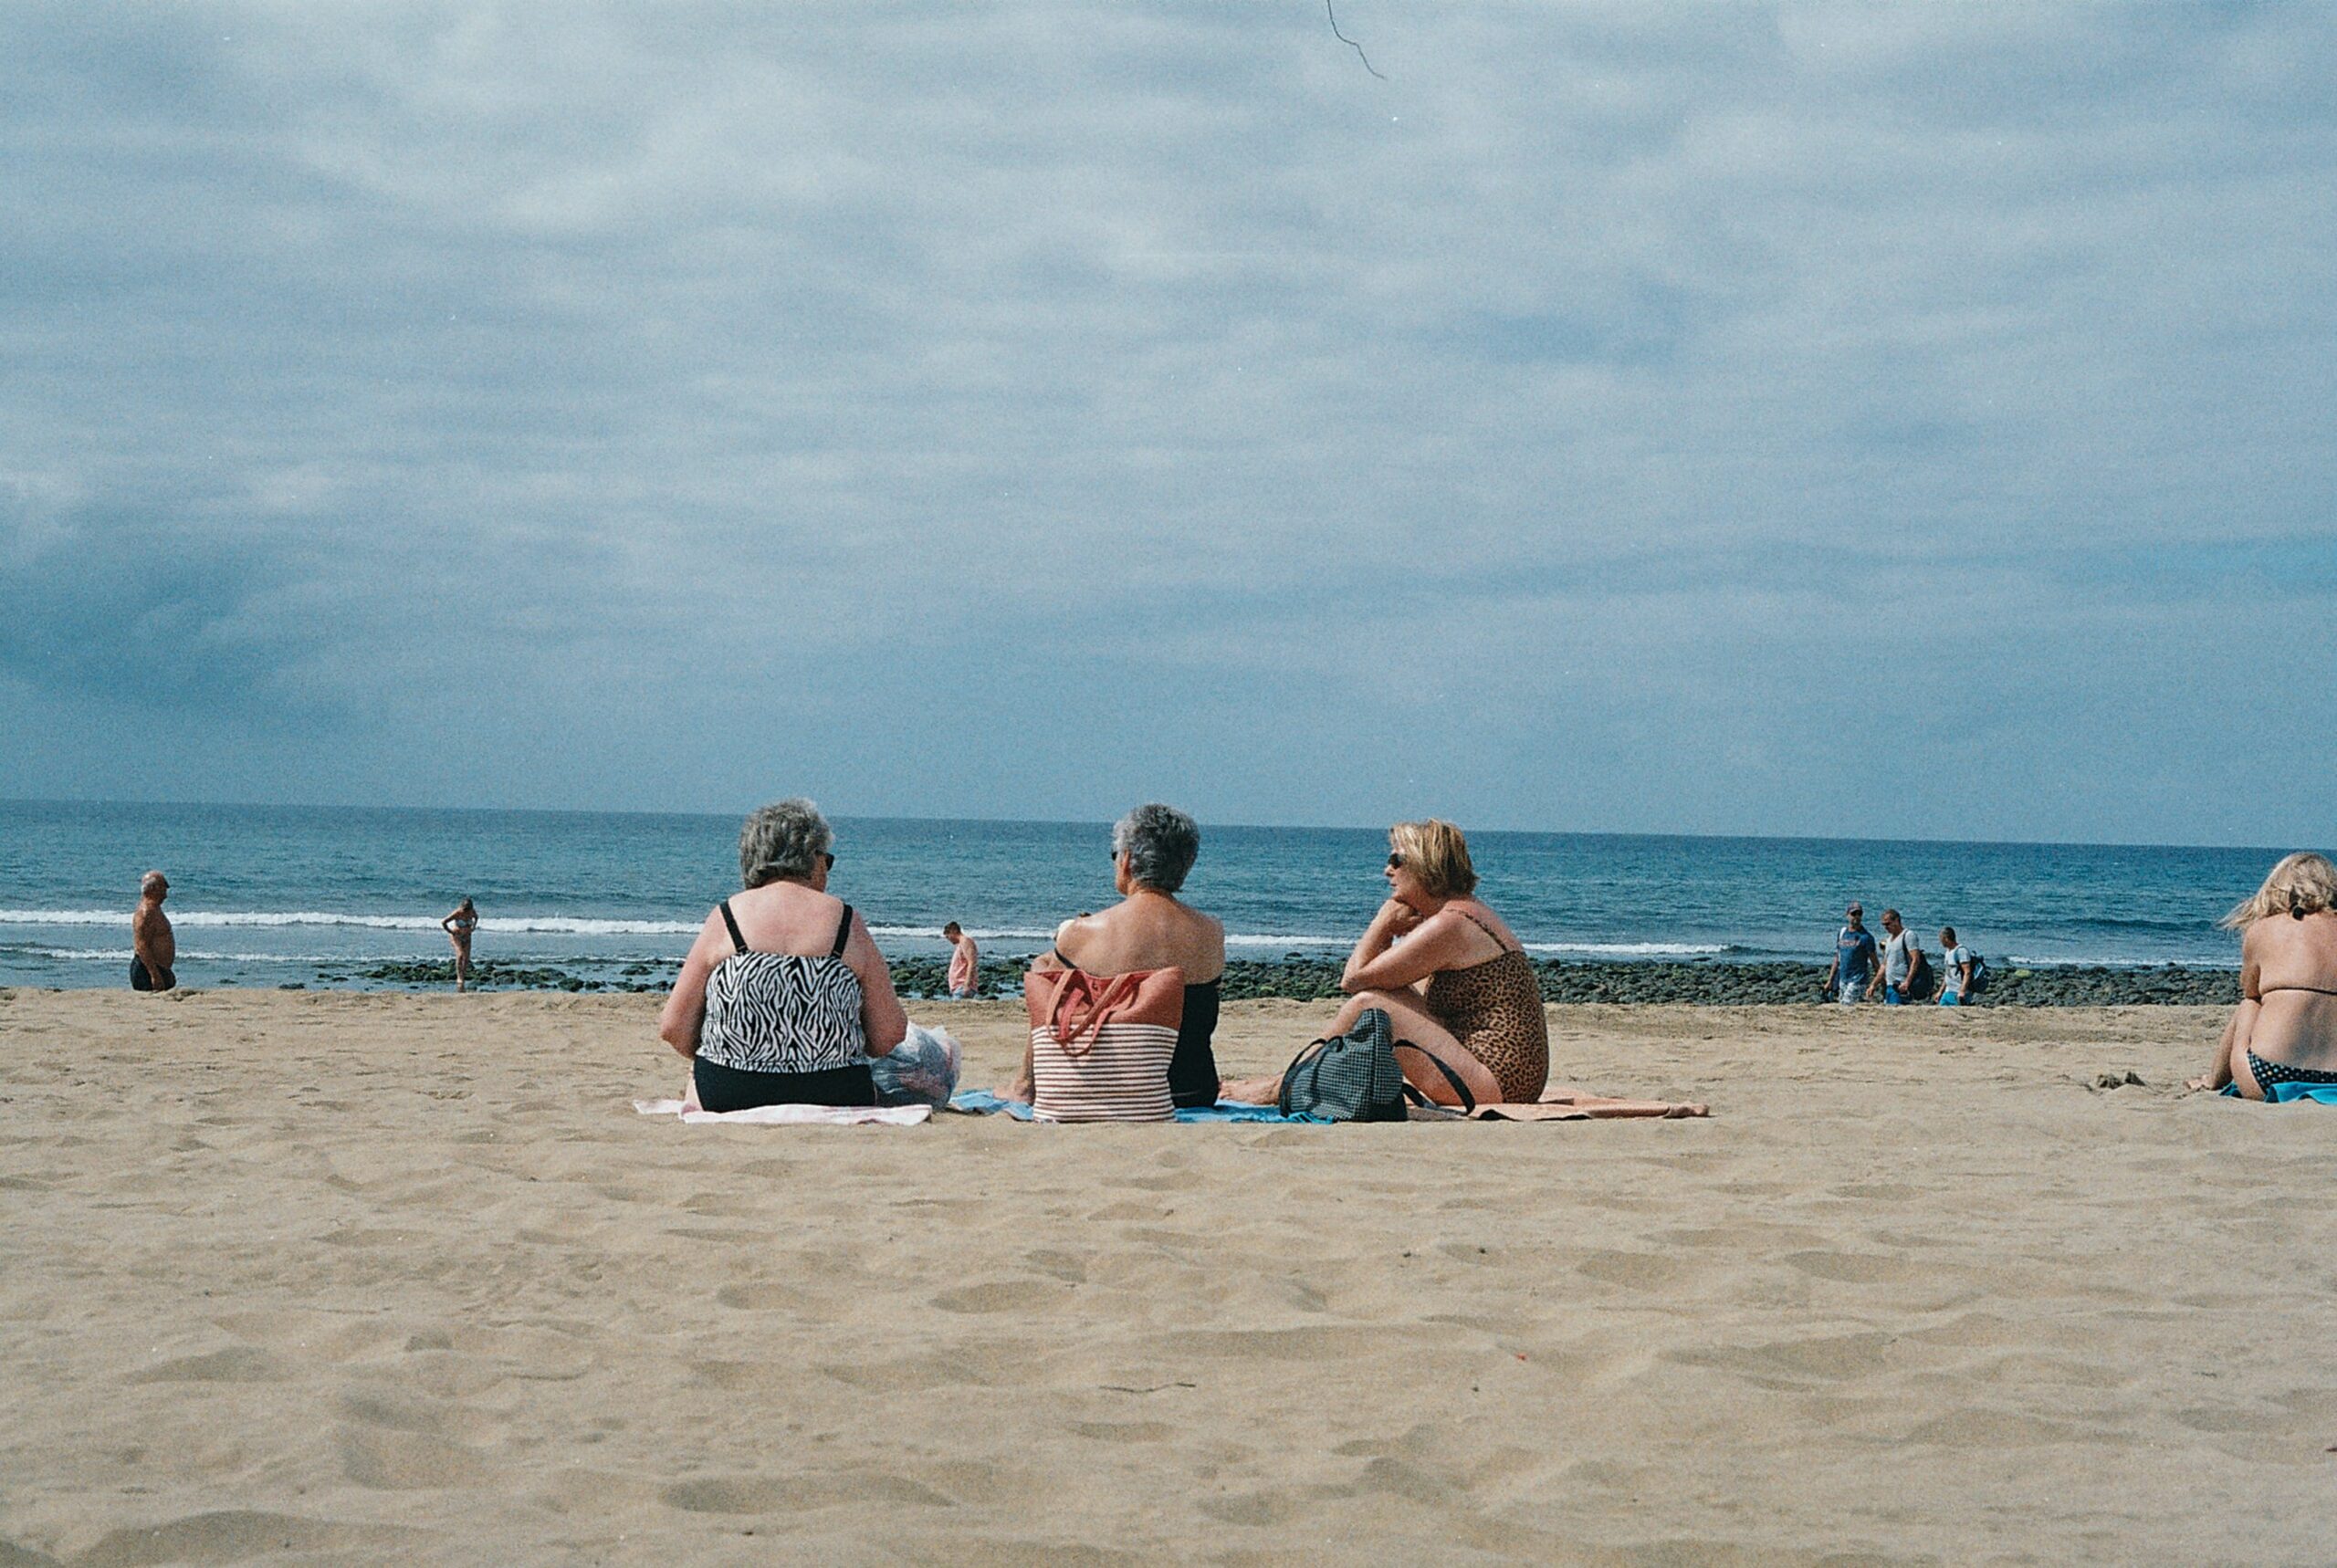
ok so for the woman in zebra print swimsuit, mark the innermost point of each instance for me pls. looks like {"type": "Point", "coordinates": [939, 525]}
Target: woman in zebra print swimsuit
{"type": "Point", "coordinates": [784, 996]}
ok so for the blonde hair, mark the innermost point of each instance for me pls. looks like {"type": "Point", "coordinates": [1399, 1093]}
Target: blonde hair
{"type": "Point", "coordinates": [2303, 883]}
{"type": "Point", "coordinates": [1436, 853]}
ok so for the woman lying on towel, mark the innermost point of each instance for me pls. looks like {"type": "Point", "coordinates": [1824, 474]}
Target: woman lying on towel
{"type": "Point", "coordinates": [1456, 985]}
{"type": "Point", "coordinates": [2285, 1028]}
{"type": "Point", "coordinates": [783, 996]}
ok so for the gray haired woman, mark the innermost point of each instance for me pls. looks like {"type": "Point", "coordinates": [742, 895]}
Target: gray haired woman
{"type": "Point", "coordinates": [1153, 848]}
{"type": "Point", "coordinates": [783, 996]}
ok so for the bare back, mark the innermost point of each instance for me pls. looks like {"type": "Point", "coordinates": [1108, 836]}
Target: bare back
{"type": "Point", "coordinates": [784, 917]}
{"type": "Point", "coordinates": [1479, 935]}
{"type": "Point", "coordinates": [1147, 930]}
{"type": "Point", "coordinates": [151, 937]}
{"type": "Point", "coordinates": [2292, 967]}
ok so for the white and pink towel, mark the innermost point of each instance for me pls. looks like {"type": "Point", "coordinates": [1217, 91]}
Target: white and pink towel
{"type": "Point", "coordinates": [792, 1116]}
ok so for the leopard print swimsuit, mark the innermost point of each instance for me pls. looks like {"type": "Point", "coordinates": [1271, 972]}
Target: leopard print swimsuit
{"type": "Point", "coordinates": [1495, 1010]}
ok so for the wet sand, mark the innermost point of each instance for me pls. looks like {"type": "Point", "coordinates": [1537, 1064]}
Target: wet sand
{"type": "Point", "coordinates": [388, 1277]}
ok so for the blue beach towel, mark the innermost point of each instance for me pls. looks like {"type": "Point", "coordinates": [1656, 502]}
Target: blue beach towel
{"type": "Point", "coordinates": [2290, 1093]}
{"type": "Point", "coordinates": [982, 1102]}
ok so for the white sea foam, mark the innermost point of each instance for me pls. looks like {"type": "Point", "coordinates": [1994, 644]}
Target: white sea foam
{"type": "Point", "coordinates": [575, 925]}
{"type": "Point", "coordinates": [1630, 949]}
{"type": "Point", "coordinates": [932, 933]}
{"type": "Point", "coordinates": [580, 926]}
{"type": "Point", "coordinates": [186, 954]}
{"type": "Point", "coordinates": [1232, 938]}
{"type": "Point", "coordinates": [2017, 961]}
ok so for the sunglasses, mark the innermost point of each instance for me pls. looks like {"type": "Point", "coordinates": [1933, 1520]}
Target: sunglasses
{"type": "Point", "coordinates": [829, 856]}
{"type": "Point", "coordinates": [1395, 862]}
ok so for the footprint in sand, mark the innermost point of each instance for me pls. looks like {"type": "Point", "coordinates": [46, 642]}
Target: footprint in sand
{"type": "Point", "coordinates": [1124, 1431]}
{"type": "Point", "coordinates": [1786, 1363]}
{"type": "Point", "coordinates": [1980, 1430]}
{"type": "Point", "coordinates": [228, 1535]}
{"type": "Point", "coordinates": [1635, 1270]}
{"type": "Point", "coordinates": [759, 1298]}
{"type": "Point", "coordinates": [1863, 1268]}
{"type": "Point", "coordinates": [1068, 1267]}
{"type": "Point", "coordinates": [388, 1460]}
{"type": "Point", "coordinates": [1001, 1296]}
{"type": "Point", "coordinates": [236, 1364]}
{"type": "Point", "coordinates": [767, 1494]}
{"type": "Point", "coordinates": [1324, 1344]}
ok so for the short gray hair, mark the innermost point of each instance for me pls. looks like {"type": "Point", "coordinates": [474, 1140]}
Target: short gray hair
{"type": "Point", "coordinates": [1161, 842]}
{"type": "Point", "coordinates": [782, 839]}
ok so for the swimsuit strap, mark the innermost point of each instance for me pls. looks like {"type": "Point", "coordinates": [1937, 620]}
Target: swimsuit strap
{"type": "Point", "coordinates": [2316, 990]}
{"type": "Point", "coordinates": [844, 933]}
{"type": "Point", "coordinates": [1057, 951]}
{"type": "Point", "coordinates": [732, 921]}
{"type": "Point", "coordinates": [1490, 932]}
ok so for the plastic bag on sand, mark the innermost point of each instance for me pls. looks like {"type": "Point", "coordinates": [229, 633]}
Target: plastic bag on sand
{"type": "Point", "coordinates": [920, 1070]}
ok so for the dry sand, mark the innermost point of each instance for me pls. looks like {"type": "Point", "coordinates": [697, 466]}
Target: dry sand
{"type": "Point", "coordinates": [339, 1278]}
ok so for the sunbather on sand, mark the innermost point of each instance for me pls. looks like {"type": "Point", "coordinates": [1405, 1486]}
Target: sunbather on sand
{"type": "Point", "coordinates": [783, 996]}
{"type": "Point", "coordinates": [2285, 1028]}
{"type": "Point", "coordinates": [1456, 985]}
{"type": "Point", "coordinates": [1153, 848]}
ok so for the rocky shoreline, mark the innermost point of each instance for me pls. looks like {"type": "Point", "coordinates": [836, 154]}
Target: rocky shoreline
{"type": "Point", "coordinates": [1304, 978]}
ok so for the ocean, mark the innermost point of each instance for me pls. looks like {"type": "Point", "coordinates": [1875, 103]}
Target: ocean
{"type": "Point", "coordinates": [271, 895]}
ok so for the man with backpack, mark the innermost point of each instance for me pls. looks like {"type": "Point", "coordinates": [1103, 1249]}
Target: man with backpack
{"type": "Point", "coordinates": [1906, 974]}
{"type": "Point", "coordinates": [1965, 972]}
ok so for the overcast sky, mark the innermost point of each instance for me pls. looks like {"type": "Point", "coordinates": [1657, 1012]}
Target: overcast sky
{"type": "Point", "coordinates": [1857, 420]}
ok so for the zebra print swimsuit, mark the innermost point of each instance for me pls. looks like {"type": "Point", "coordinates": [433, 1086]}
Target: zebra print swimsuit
{"type": "Point", "coordinates": [783, 1012]}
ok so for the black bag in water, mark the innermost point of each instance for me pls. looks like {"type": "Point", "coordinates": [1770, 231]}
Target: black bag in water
{"type": "Point", "coordinates": [1352, 1076]}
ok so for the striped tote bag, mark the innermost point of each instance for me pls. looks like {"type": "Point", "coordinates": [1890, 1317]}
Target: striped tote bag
{"type": "Point", "coordinates": [1100, 1044]}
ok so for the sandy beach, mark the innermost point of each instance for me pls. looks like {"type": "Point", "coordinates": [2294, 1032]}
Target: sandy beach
{"type": "Point", "coordinates": [391, 1277]}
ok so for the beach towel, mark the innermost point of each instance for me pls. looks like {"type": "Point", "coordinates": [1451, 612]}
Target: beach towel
{"type": "Point", "coordinates": [792, 1115]}
{"type": "Point", "coordinates": [1557, 1105]}
{"type": "Point", "coordinates": [982, 1102]}
{"type": "Point", "coordinates": [2290, 1093]}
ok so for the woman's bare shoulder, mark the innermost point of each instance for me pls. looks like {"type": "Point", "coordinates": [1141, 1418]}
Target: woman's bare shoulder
{"type": "Point", "coordinates": [1471, 915]}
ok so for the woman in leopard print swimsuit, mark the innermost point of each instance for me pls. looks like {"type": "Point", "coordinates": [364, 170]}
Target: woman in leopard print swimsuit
{"type": "Point", "coordinates": [1451, 978]}
{"type": "Point", "coordinates": [1494, 1011]}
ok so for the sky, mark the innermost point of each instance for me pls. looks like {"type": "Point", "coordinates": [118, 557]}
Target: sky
{"type": "Point", "coordinates": [1805, 419]}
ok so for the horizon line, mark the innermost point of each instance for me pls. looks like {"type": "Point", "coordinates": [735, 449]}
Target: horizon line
{"type": "Point", "coordinates": [1105, 822]}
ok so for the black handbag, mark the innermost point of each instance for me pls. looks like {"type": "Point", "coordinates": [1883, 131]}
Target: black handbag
{"type": "Point", "coordinates": [1351, 1077]}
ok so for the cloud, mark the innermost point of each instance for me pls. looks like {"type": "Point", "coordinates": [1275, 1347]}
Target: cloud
{"type": "Point", "coordinates": [109, 600]}
{"type": "Point", "coordinates": [1587, 386]}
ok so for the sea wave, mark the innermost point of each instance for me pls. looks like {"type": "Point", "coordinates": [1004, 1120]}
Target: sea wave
{"type": "Point", "coordinates": [2022, 961]}
{"type": "Point", "coordinates": [932, 933]}
{"type": "Point", "coordinates": [573, 925]}
{"type": "Point", "coordinates": [1047, 933]}
{"type": "Point", "coordinates": [186, 956]}
{"type": "Point", "coordinates": [1631, 950]}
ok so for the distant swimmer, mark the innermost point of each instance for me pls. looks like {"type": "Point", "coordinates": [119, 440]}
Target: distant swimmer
{"type": "Point", "coordinates": [965, 961]}
{"type": "Point", "coordinates": [458, 927]}
{"type": "Point", "coordinates": [154, 948]}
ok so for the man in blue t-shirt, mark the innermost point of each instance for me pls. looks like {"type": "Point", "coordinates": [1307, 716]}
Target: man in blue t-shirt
{"type": "Point", "coordinates": [1854, 957]}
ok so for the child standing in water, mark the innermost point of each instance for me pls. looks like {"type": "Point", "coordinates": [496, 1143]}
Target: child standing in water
{"type": "Point", "coordinates": [458, 927]}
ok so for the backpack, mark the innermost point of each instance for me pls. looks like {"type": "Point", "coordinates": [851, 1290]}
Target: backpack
{"type": "Point", "coordinates": [1918, 987]}
{"type": "Point", "coordinates": [1979, 977]}
{"type": "Point", "coordinates": [1351, 1077]}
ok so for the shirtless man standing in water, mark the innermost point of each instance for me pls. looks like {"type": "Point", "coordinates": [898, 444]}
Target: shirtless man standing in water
{"type": "Point", "coordinates": [155, 948]}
